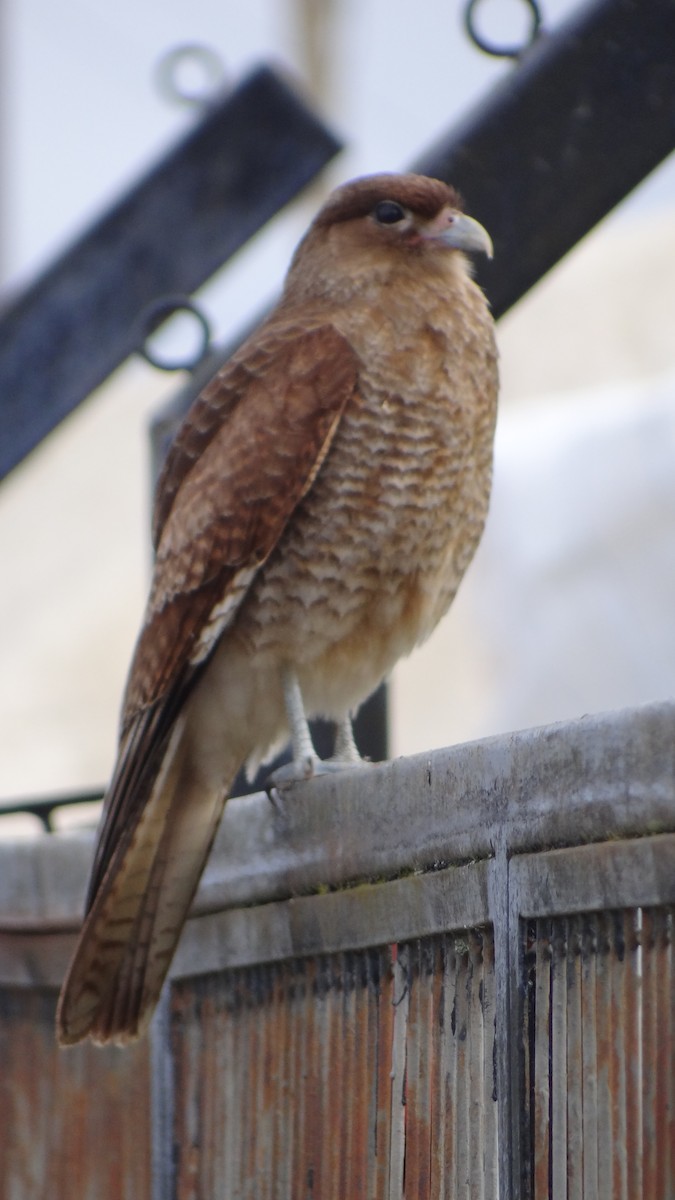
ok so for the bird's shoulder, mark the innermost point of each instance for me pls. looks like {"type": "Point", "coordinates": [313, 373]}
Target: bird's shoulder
{"type": "Point", "coordinates": [292, 370]}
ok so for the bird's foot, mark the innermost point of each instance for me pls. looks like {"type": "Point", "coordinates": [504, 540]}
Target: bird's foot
{"type": "Point", "coordinates": [296, 771]}
{"type": "Point", "coordinates": [306, 763]}
{"type": "Point", "coordinates": [300, 770]}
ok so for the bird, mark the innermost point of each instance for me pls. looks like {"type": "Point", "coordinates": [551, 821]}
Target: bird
{"type": "Point", "coordinates": [315, 514]}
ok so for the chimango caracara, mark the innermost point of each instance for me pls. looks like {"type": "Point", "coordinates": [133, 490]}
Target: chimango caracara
{"type": "Point", "coordinates": [316, 513]}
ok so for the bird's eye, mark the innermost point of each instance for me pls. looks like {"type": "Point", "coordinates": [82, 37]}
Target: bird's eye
{"type": "Point", "coordinates": [388, 212]}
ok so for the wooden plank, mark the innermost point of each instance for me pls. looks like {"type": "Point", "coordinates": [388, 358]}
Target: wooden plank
{"type": "Point", "coordinates": [603, 777]}
{"type": "Point", "coordinates": [605, 1066]}
{"type": "Point", "coordinates": [371, 915]}
{"type": "Point", "coordinates": [619, 969]}
{"type": "Point", "coordinates": [632, 1051]}
{"type": "Point", "coordinates": [574, 1150]}
{"type": "Point", "coordinates": [600, 778]}
{"type": "Point", "coordinates": [651, 1051]}
{"type": "Point", "coordinates": [589, 1079]}
{"type": "Point", "coordinates": [400, 1002]}
{"type": "Point", "coordinates": [667, 1062]}
{"type": "Point", "coordinates": [541, 1115]}
{"type": "Point", "coordinates": [608, 875]}
{"type": "Point", "coordinates": [490, 1150]}
{"type": "Point", "coordinates": [476, 1073]}
{"type": "Point", "coordinates": [384, 1018]}
{"type": "Point", "coordinates": [559, 1135]}
{"type": "Point", "coordinates": [510, 1021]}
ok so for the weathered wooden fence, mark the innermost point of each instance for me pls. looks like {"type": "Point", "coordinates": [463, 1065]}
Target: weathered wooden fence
{"type": "Point", "coordinates": [448, 976]}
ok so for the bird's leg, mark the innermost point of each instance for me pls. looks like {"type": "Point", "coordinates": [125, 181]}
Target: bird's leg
{"type": "Point", "coordinates": [346, 751]}
{"type": "Point", "coordinates": [306, 762]}
{"type": "Point", "coordinates": [305, 757]}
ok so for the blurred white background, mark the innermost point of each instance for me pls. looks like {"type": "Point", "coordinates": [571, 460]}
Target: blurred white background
{"type": "Point", "coordinates": [569, 605]}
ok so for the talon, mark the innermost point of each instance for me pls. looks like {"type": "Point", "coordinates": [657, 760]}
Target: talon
{"type": "Point", "coordinates": [297, 771]}
{"type": "Point", "coordinates": [274, 796]}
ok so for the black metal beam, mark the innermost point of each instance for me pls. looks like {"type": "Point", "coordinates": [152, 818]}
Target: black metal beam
{"type": "Point", "coordinates": [586, 115]}
{"type": "Point", "coordinates": [44, 807]}
{"type": "Point", "coordinates": [253, 150]}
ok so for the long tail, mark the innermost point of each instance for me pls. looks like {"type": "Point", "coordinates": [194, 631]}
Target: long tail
{"type": "Point", "coordinates": [130, 933]}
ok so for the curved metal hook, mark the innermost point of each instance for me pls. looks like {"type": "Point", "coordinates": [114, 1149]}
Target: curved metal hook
{"type": "Point", "coordinates": [495, 50]}
{"type": "Point", "coordinates": [208, 63]}
{"type": "Point", "coordinates": [155, 315]}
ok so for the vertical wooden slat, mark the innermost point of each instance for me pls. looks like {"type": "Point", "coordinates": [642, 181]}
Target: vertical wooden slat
{"type": "Point", "coordinates": [216, 1164]}
{"type": "Point", "coordinates": [604, 1067]}
{"type": "Point", "coordinates": [415, 1116]}
{"type": "Point", "coordinates": [362, 1076]}
{"type": "Point", "coordinates": [321, 1148]}
{"type": "Point", "coordinates": [589, 1090]}
{"type": "Point", "coordinates": [338, 1080]}
{"type": "Point", "coordinates": [558, 1138]}
{"type": "Point", "coordinates": [665, 1059]}
{"type": "Point", "coordinates": [291, 1091]}
{"type": "Point", "coordinates": [427, 1081]}
{"type": "Point", "coordinates": [311, 1123]}
{"type": "Point", "coordinates": [401, 1003]}
{"type": "Point", "coordinates": [668, 995]}
{"type": "Point", "coordinates": [668, 1008]}
{"type": "Point", "coordinates": [229, 1049]}
{"type": "Point", "coordinates": [461, 1031]}
{"type": "Point", "coordinates": [620, 967]}
{"type": "Point", "coordinates": [524, 1057]}
{"type": "Point", "coordinates": [351, 1110]}
{"type": "Point", "coordinates": [281, 1049]}
{"type": "Point", "coordinates": [263, 980]}
{"type": "Point", "coordinates": [437, 1080]}
{"type": "Point", "coordinates": [575, 1186]}
{"type": "Point", "coordinates": [383, 1016]}
{"type": "Point", "coordinates": [317, 1167]}
{"type": "Point", "coordinates": [658, 1053]}
{"type": "Point", "coordinates": [490, 1155]}
{"type": "Point", "coordinates": [475, 1063]}
{"type": "Point", "coordinates": [650, 1051]}
{"type": "Point", "coordinates": [448, 1073]}
{"type": "Point", "coordinates": [632, 1051]}
{"type": "Point", "coordinates": [373, 964]}
{"type": "Point", "coordinates": [542, 1081]}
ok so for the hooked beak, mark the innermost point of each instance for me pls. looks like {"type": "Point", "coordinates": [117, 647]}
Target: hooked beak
{"type": "Point", "coordinates": [462, 233]}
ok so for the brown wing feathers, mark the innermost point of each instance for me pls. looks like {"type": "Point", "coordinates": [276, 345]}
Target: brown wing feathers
{"type": "Point", "coordinates": [240, 465]}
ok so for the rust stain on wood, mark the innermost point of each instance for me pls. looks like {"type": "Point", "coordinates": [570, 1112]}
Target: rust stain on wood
{"type": "Point", "coordinates": [75, 1122]}
{"type": "Point", "coordinates": [288, 1082]}
{"type": "Point", "coordinates": [600, 1026]}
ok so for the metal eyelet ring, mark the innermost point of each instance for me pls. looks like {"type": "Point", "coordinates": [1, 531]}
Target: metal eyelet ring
{"type": "Point", "coordinates": [209, 66]}
{"type": "Point", "coordinates": [155, 315]}
{"type": "Point", "coordinates": [491, 48]}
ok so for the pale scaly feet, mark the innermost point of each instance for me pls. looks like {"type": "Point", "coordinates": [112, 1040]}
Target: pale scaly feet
{"type": "Point", "coordinates": [306, 763]}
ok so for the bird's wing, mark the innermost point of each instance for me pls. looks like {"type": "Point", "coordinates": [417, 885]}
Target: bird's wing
{"type": "Point", "coordinates": [243, 460]}
{"type": "Point", "coordinates": [247, 453]}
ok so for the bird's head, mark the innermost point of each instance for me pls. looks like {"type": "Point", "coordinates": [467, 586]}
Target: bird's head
{"type": "Point", "coordinates": [385, 223]}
